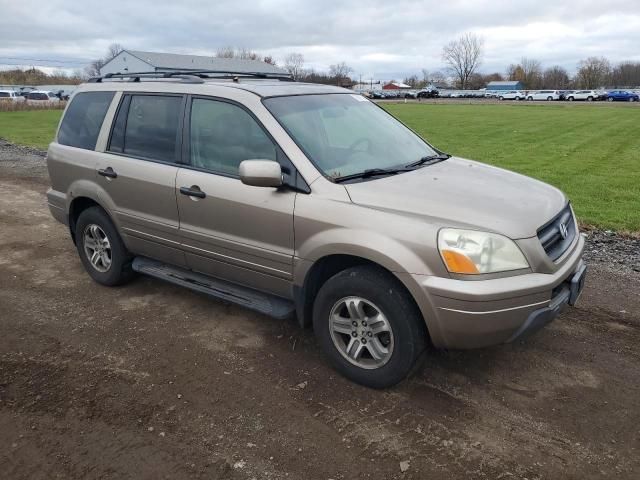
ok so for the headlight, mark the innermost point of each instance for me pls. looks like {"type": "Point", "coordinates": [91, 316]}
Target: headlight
{"type": "Point", "coordinates": [471, 252]}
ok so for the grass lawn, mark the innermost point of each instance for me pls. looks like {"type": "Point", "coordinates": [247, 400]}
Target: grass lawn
{"type": "Point", "coordinates": [592, 153]}
{"type": "Point", "coordinates": [35, 128]}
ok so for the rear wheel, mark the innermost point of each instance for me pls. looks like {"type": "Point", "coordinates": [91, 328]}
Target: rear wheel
{"type": "Point", "coordinates": [589, 99]}
{"type": "Point", "coordinates": [631, 99]}
{"type": "Point", "coordinates": [571, 99]}
{"type": "Point", "coordinates": [101, 250]}
{"type": "Point", "coordinates": [530, 98]}
{"type": "Point", "coordinates": [368, 326]}
{"type": "Point", "coordinates": [610, 99]}
{"type": "Point", "coordinates": [549, 99]}
{"type": "Point", "coordinates": [500, 98]}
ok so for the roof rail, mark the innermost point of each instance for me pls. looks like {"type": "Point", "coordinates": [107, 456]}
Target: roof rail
{"type": "Point", "coordinates": [192, 76]}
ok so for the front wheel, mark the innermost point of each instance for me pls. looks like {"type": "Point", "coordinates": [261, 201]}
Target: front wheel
{"type": "Point", "coordinates": [368, 326]}
{"type": "Point", "coordinates": [101, 250]}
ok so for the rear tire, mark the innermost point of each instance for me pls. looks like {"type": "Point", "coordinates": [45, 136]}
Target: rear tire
{"type": "Point", "coordinates": [530, 99]}
{"type": "Point", "coordinates": [571, 99]}
{"type": "Point", "coordinates": [369, 327]}
{"type": "Point", "coordinates": [101, 249]}
{"type": "Point", "coordinates": [549, 99]}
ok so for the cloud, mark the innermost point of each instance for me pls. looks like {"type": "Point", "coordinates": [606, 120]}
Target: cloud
{"type": "Point", "coordinates": [377, 38]}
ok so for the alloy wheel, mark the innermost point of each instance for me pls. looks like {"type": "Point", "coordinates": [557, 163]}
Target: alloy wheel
{"type": "Point", "coordinates": [361, 332]}
{"type": "Point", "coordinates": [97, 247]}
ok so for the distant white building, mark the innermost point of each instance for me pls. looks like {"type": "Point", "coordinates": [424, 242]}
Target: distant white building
{"type": "Point", "coordinates": [367, 86]}
{"type": "Point", "coordinates": [136, 61]}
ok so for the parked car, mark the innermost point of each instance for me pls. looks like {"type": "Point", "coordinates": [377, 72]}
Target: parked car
{"type": "Point", "coordinates": [377, 94]}
{"type": "Point", "coordinates": [11, 96]}
{"type": "Point", "coordinates": [543, 95]}
{"type": "Point", "coordinates": [512, 95]}
{"type": "Point", "coordinates": [427, 93]}
{"type": "Point", "coordinates": [409, 94]}
{"type": "Point", "coordinates": [588, 95]}
{"type": "Point", "coordinates": [622, 96]}
{"type": "Point", "coordinates": [195, 183]}
{"type": "Point", "coordinates": [564, 94]}
{"type": "Point", "coordinates": [40, 96]}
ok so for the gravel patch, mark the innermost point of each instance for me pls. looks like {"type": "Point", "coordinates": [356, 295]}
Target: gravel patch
{"type": "Point", "coordinates": [620, 253]}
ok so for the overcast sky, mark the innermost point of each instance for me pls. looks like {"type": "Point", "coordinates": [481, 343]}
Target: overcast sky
{"type": "Point", "coordinates": [378, 38]}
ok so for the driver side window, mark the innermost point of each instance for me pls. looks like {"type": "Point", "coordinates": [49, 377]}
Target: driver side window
{"type": "Point", "coordinates": [223, 134]}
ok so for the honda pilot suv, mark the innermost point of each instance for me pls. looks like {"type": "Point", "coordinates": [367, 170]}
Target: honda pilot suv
{"type": "Point", "coordinates": [306, 200]}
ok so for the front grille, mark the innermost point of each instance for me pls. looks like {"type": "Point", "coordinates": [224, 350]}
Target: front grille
{"type": "Point", "coordinates": [557, 235]}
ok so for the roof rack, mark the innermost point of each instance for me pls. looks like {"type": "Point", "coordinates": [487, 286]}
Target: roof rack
{"type": "Point", "coordinates": [192, 76]}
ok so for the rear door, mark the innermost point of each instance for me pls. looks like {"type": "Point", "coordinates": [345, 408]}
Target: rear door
{"type": "Point", "coordinates": [231, 230]}
{"type": "Point", "coordinates": [137, 173]}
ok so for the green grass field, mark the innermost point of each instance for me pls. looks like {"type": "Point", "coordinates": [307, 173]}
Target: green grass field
{"type": "Point", "coordinates": [34, 128]}
{"type": "Point", "coordinates": [590, 152]}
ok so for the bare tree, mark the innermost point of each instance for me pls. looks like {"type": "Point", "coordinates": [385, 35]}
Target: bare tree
{"type": "Point", "coordinates": [594, 72]}
{"type": "Point", "coordinates": [555, 77]}
{"type": "Point", "coordinates": [463, 56]}
{"type": "Point", "coordinates": [113, 50]}
{"type": "Point", "coordinates": [226, 52]}
{"type": "Point", "coordinates": [269, 59]}
{"type": "Point", "coordinates": [425, 77]}
{"type": "Point", "coordinates": [293, 64]}
{"type": "Point", "coordinates": [528, 72]}
{"type": "Point", "coordinates": [340, 71]}
{"type": "Point", "coordinates": [626, 74]}
{"type": "Point", "coordinates": [93, 69]}
{"type": "Point", "coordinates": [412, 81]}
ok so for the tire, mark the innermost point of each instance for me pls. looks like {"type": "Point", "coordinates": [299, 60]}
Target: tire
{"type": "Point", "coordinates": [631, 99]}
{"type": "Point", "coordinates": [401, 335]}
{"type": "Point", "coordinates": [571, 99]}
{"type": "Point", "coordinates": [589, 99]}
{"type": "Point", "coordinates": [94, 224]}
{"type": "Point", "coordinates": [609, 99]}
{"type": "Point", "coordinates": [500, 98]}
{"type": "Point", "coordinates": [549, 99]}
{"type": "Point", "coordinates": [530, 99]}
{"type": "Point", "coordinates": [518, 99]}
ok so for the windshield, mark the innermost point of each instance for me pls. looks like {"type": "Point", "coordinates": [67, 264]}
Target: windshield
{"type": "Point", "coordinates": [345, 134]}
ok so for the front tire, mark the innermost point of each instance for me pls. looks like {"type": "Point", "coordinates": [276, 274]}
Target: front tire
{"type": "Point", "coordinates": [368, 326]}
{"type": "Point", "coordinates": [101, 249]}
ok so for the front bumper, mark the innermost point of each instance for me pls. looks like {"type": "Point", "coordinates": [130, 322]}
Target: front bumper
{"type": "Point", "coordinates": [466, 314]}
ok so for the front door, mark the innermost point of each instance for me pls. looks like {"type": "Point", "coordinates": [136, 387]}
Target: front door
{"type": "Point", "coordinates": [231, 230]}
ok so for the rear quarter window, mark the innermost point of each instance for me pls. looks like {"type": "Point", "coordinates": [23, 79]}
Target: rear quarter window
{"type": "Point", "coordinates": [82, 122]}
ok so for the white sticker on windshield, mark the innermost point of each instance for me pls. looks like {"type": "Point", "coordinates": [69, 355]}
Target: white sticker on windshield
{"type": "Point", "coordinates": [360, 98]}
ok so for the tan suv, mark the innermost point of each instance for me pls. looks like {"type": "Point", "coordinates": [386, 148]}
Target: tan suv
{"type": "Point", "coordinates": [292, 198]}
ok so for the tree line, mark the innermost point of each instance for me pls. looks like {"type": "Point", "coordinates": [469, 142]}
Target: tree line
{"type": "Point", "coordinates": [463, 58]}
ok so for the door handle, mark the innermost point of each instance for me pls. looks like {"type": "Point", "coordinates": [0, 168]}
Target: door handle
{"type": "Point", "coordinates": [192, 191]}
{"type": "Point", "coordinates": [107, 172]}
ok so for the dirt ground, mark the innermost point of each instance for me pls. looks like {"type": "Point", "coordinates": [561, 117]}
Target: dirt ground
{"type": "Point", "coordinates": [151, 381]}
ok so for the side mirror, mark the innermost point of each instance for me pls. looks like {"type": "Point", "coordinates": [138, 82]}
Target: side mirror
{"type": "Point", "coordinates": [261, 173]}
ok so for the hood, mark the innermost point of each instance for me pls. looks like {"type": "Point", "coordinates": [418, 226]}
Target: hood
{"type": "Point", "coordinates": [464, 193]}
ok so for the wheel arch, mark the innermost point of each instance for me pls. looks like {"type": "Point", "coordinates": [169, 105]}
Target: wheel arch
{"type": "Point", "coordinates": [326, 267]}
{"type": "Point", "coordinates": [79, 205]}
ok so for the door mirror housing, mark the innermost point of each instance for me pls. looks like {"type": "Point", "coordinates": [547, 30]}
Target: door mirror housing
{"type": "Point", "coordinates": [261, 173]}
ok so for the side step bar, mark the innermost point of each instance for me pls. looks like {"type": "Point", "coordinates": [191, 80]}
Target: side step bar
{"type": "Point", "coordinates": [247, 297]}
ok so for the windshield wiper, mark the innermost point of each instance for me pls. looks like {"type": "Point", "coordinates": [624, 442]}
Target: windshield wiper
{"type": "Point", "coordinates": [372, 172]}
{"type": "Point", "coordinates": [429, 160]}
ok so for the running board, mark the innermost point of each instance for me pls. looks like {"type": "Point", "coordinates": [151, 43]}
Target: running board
{"type": "Point", "coordinates": [247, 297]}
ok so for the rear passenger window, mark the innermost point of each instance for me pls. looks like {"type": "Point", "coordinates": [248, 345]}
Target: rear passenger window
{"type": "Point", "coordinates": [82, 121]}
{"type": "Point", "coordinates": [147, 126]}
{"type": "Point", "coordinates": [222, 135]}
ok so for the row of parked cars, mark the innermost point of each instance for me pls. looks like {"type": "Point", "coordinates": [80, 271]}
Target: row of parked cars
{"type": "Point", "coordinates": [568, 95]}
{"type": "Point", "coordinates": [32, 96]}
{"type": "Point", "coordinates": [531, 95]}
